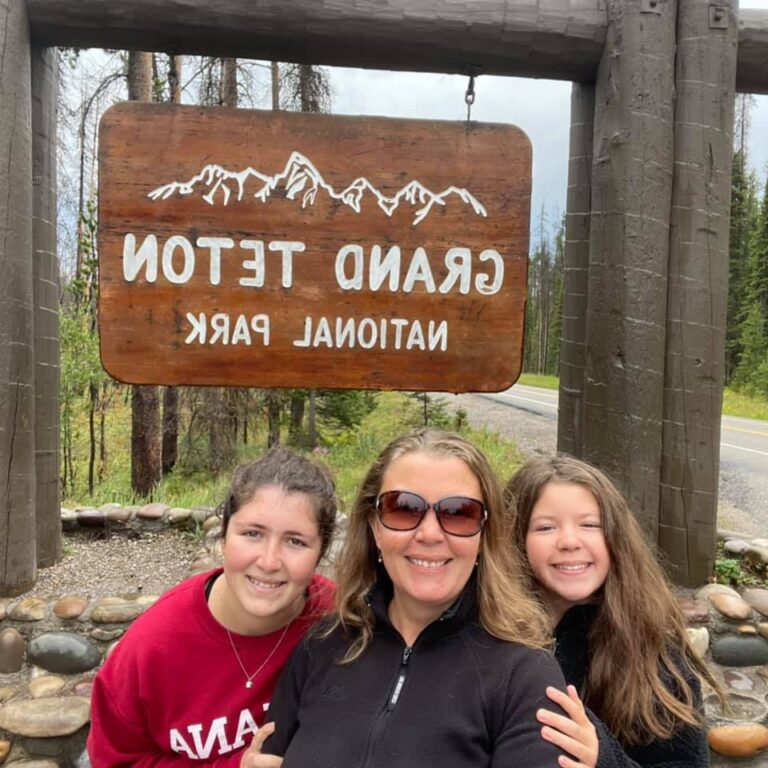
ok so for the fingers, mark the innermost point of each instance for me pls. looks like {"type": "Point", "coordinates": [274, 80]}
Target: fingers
{"type": "Point", "coordinates": [571, 703]}
{"type": "Point", "coordinates": [254, 760]}
{"type": "Point", "coordinates": [559, 722]}
{"type": "Point", "coordinates": [566, 762]}
{"type": "Point", "coordinates": [261, 736]}
{"type": "Point", "coordinates": [572, 746]}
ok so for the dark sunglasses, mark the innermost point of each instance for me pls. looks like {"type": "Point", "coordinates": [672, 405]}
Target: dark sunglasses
{"type": "Point", "coordinates": [457, 515]}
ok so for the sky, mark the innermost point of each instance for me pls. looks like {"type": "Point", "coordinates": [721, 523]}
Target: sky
{"type": "Point", "coordinates": [540, 107]}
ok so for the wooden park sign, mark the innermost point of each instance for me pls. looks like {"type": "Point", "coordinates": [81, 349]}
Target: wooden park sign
{"type": "Point", "coordinates": [277, 249]}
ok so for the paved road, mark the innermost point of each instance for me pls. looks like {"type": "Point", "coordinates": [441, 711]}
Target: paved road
{"type": "Point", "coordinates": [743, 456]}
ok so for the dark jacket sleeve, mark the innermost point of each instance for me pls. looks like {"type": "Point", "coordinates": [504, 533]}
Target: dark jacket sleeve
{"type": "Point", "coordinates": [519, 732]}
{"type": "Point", "coordinates": [284, 707]}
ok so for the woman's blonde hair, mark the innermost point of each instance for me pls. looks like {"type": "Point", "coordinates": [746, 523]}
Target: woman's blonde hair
{"type": "Point", "coordinates": [638, 618]}
{"type": "Point", "coordinates": [506, 610]}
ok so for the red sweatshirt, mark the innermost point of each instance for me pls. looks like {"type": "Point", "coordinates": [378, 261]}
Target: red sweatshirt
{"type": "Point", "coordinates": [172, 692]}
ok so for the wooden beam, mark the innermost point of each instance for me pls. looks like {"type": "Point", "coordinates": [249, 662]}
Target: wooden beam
{"type": "Point", "coordinates": [570, 417]}
{"type": "Point", "coordinates": [559, 39]}
{"type": "Point", "coordinates": [17, 397]}
{"type": "Point", "coordinates": [629, 247]}
{"type": "Point", "coordinates": [698, 288]}
{"type": "Point", "coordinates": [45, 270]}
{"type": "Point", "coordinates": [556, 39]}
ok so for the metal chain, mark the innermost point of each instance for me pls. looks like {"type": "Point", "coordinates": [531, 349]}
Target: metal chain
{"type": "Point", "coordinates": [469, 96]}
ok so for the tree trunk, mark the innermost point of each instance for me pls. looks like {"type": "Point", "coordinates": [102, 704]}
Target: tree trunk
{"type": "Point", "coordinates": [174, 78]}
{"type": "Point", "coordinates": [229, 82]}
{"type": "Point", "coordinates": [145, 440]}
{"type": "Point", "coordinates": [170, 448]}
{"type": "Point", "coordinates": [146, 464]}
{"type": "Point", "coordinates": [17, 376]}
{"type": "Point", "coordinates": [274, 69]}
{"type": "Point", "coordinates": [570, 417]}
{"type": "Point", "coordinates": [93, 402]}
{"type": "Point", "coordinates": [297, 399]}
{"type": "Point", "coordinates": [697, 293]}
{"type": "Point", "coordinates": [273, 418]}
{"type": "Point", "coordinates": [629, 249]}
{"type": "Point", "coordinates": [311, 420]}
{"type": "Point", "coordinates": [45, 268]}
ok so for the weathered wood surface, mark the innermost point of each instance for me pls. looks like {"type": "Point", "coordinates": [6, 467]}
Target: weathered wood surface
{"type": "Point", "coordinates": [560, 39]}
{"type": "Point", "coordinates": [556, 39]}
{"type": "Point", "coordinates": [326, 181]}
{"type": "Point", "coordinates": [45, 268]}
{"type": "Point", "coordinates": [629, 247]}
{"type": "Point", "coordinates": [573, 345]}
{"type": "Point", "coordinates": [697, 294]}
{"type": "Point", "coordinates": [17, 396]}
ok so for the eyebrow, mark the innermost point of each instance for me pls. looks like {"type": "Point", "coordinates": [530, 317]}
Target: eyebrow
{"type": "Point", "coordinates": [261, 527]}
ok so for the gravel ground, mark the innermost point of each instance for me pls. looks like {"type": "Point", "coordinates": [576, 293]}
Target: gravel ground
{"type": "Point", "coordinates": [120, 563]}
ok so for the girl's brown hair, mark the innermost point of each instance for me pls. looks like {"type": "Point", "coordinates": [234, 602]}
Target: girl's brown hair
{"type": "Point", "coordinates": [506, 610]}
{"type": "Point", "coordinates": [638, 640]}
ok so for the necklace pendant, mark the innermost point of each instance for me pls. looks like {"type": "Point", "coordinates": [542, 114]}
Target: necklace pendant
{"type": "Point", "coordinates": [249, 684]}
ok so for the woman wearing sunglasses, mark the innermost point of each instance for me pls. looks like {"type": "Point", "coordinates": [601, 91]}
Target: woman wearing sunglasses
{"type": "Point", "coordinates": [435, 656]}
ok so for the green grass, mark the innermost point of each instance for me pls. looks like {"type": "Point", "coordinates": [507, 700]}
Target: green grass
{"type": "Point", "coordinates": [348, 454]}
{"type": "Point", "coordinates": [539, 380]}
{"type": "Point", "coordinates": [735, 403]}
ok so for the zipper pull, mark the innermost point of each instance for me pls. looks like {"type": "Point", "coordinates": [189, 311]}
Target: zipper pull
{"type": "Point", "coordinates": [400, 678]}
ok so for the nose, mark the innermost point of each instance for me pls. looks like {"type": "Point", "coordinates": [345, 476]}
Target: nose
{"type": "Point", "coordinates": [429, 528]}
{"type": "Point", "coordinates": [568, 538]}
{"type": "Point", "coordinates": [269, 558]}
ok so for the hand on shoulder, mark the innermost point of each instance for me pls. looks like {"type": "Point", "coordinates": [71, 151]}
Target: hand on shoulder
{"type": "Point", "coordinates": [572, 732]}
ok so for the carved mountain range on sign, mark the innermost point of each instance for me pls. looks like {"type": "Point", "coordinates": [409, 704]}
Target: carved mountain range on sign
{"type": "Point", "coordinates": [300, 180]}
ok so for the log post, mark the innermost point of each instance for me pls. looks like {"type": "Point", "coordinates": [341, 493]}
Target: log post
{"type": "Point", "coordinates": [17, 406]}
{"type": "Point", "coordinates": [698, 286]}
{"type": "Point", "coordinates": [45, 272]}
{"type": "Point", "coordinates": [629, 247]}
{"type": "Point", "coordinates": [570, 416]}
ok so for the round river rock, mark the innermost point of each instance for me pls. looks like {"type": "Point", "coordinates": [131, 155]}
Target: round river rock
{"type": "Point", "coordinates": [63, 652]}
{"type": "Point", "coordinates": [58, 716]}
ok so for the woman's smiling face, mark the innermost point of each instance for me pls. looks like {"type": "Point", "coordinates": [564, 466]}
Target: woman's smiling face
{"type": "Point", "coordinates": [428, 567]}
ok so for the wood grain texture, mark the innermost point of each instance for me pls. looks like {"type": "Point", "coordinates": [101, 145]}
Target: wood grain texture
{"type": "Point", "coordinates": [570, 416]}
{"type": "Point", "coordinates": [629, 248]}
{"type": "Point", "coordinates": [560, 39]}
{"type": "Point", "coordinates": [556, 39]}
{"type": "Point", "coordinates": [697, 293]}
{"type": "Point", "coordinates": [17, 397]}
{"type": "Point", "coordinates": [45, 269]}
{"type": "Point", "coordinates": [146, 330]}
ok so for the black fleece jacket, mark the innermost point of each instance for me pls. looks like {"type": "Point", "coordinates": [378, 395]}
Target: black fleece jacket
{"type": "Point", "coordinates": [458, 698]}
{"type": "Point", "coordinates": [686, 749]}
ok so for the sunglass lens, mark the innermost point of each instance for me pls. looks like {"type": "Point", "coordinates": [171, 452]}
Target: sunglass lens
{"type": "Point", "coordinates": [460, 515]}
{"type": "Point", "coordinates": [400, 510]}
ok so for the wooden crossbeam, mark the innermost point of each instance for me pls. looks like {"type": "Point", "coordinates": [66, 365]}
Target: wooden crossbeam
{"type": "Point", "coordinates": [556, 39]}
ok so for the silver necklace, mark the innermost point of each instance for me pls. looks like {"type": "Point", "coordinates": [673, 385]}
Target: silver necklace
{"type": "Point", "coordinates": [249, 678]}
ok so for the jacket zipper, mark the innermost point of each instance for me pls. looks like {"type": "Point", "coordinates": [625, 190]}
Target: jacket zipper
{"type": "Point", "coordinates": [400, 682]}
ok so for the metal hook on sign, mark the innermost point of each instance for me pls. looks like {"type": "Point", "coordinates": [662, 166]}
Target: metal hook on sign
{"type": "Point", "coordinates": [469, 96]}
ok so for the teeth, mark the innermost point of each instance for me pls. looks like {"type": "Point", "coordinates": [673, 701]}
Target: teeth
{"type": "Point", "coordinates": [579, 567]}
{"type": "Point", "coordinates": [265, 584]}
{"type": "Point", "coordinates": [428, 563]}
